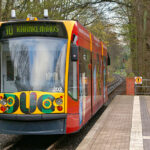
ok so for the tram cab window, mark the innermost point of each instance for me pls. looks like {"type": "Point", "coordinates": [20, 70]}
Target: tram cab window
{"type": "Point", "coordinates": [33, 64]}
{"type": "Point", "coordinates": [7, 71]}
{"type": "Point", "coordinates": [10, 69]}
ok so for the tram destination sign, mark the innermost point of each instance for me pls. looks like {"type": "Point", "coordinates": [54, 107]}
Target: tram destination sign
{"type": "Point", "coordinates": [20, 29]}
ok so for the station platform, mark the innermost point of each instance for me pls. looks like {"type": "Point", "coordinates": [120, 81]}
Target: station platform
{"type": "Point", "coordinates": [124, 125]}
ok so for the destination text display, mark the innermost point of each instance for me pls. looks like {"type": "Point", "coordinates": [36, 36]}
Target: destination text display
{"type": "Point", "coordinates": [53, 29]}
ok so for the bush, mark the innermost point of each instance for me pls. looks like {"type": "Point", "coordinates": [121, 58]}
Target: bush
{"type": "Point", "coordinates": [131, 74]}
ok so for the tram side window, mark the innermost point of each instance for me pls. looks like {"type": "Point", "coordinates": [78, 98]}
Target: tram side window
{"type": "Point", "coordinates": [72, 79]}
{"type": "Point", "coordinates": [10, 70]}
{"type": "Point", "coordinates": [105, 70]}
{"type": "Point", "coordinates": [98, 75]}
{"type": "Point", "coordinates": [84, 71]}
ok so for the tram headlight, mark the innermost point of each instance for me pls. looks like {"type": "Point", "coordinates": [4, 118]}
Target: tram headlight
{"type": "Point", "coordinates": [3, 101]}
{"type": "Point", "coordinates": [59, 101]}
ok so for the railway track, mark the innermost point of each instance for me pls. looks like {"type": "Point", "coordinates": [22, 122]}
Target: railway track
{"type": "Point", "coordinates": [71, 141]}
{"type": "Point", "coordinates": [114, 88]}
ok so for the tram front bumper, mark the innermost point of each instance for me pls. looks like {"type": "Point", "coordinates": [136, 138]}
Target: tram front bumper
{"type": "Point", "coordinates": [44, 124]}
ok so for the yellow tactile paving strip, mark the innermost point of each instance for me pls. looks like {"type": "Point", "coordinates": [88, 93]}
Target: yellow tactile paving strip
{"type": "Point", "coordinates": [113, 129]}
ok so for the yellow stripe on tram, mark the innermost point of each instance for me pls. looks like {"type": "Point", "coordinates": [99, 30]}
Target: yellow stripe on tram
{"type": "Point", "coordinates": [69, 27]}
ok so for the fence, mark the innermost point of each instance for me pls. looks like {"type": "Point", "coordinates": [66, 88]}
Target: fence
{"type": "Point", "coordinates": [144, 88]}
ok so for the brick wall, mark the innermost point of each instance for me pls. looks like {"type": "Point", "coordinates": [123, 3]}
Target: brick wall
{"type": "Point", "coordinates": [130, 86]}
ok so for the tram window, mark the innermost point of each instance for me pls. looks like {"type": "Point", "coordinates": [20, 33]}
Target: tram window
{"type": "Point", "coordinates": [84, 71]}
{"type": "Point", "coordinates": [72, 79]}
{"type": "Point", "coordinates": [98, 75]}
{"type": "Point", "coordinates": [105, 70]}
{"type": "Point", "coordinates": [10, 70]}
{"type": "Point", "coordinates": [97, 58]}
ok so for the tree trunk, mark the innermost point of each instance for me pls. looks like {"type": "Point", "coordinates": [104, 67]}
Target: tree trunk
{"type": "Point", "coordinates": [6, 13]}
{"type": "Point", "coordinates": [146, 42]}
{"type": "Point", "coordinates": [0, 10]}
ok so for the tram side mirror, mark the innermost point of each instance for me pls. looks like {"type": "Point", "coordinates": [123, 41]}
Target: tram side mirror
{"type": "Point", "coordinates": [74, 52]}
{"type": "Point", "coordinates": [108, 59]}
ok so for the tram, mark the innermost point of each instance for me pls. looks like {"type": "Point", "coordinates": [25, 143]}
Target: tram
{"type": "Point", "coordinates": [53, 76]}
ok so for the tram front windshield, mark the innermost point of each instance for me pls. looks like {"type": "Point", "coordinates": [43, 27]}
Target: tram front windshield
{"type": "Point", "coordinates": [33, 64]}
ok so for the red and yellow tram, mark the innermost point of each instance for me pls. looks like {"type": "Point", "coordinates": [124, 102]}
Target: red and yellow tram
{"type": "Point", "coordinates": [53, 76]}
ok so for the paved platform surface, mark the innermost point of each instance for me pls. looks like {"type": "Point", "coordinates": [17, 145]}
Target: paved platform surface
{"type": "Point", "coordinates": [124, 125]}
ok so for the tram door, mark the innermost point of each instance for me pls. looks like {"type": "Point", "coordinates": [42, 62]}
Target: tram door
{"type": "Point", "coordinates": [8, 74]}
{"type": "Point", "coordinates": [85, 84]}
